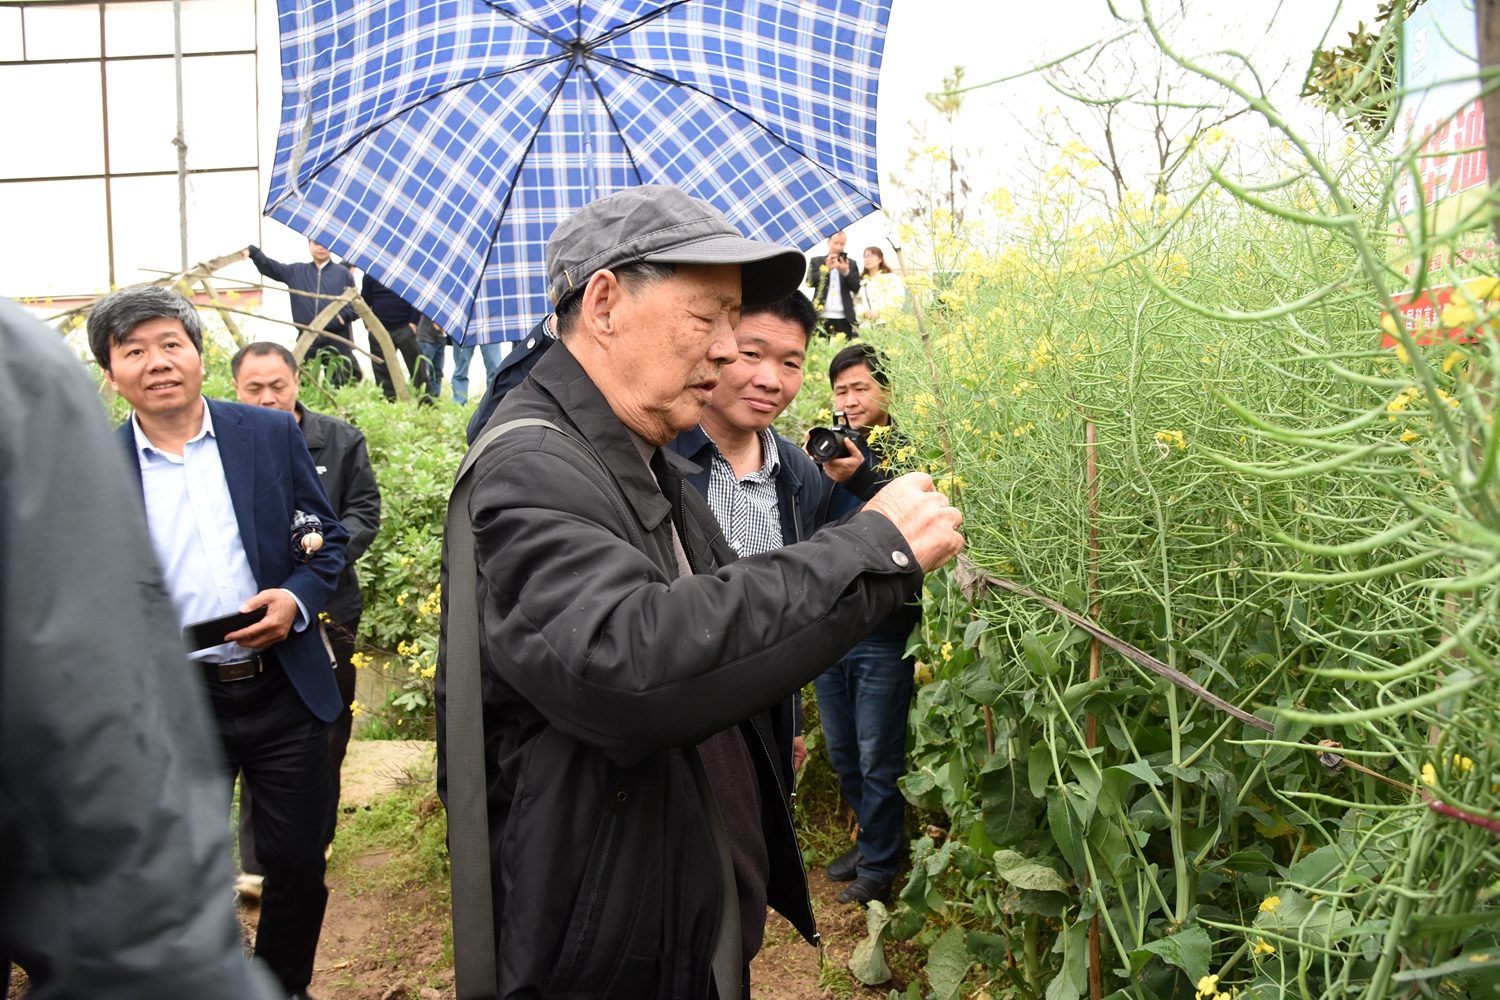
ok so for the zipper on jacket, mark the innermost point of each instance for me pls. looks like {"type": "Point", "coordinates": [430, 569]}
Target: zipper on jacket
{"type": "Point", "coordinates": [786, 811]}
{"type": "Point", "coordinates": [682, 525]}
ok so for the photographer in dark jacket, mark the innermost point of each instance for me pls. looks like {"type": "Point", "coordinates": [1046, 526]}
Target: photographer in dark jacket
{"type": "Point", "coordinates": [265, 374]}
{"type": "Point", "coordinates": [863, 699]}
{"type": "Point", "coordinates": [626, 657]}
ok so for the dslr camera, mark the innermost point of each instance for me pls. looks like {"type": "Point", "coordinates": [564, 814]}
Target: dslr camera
{"type": "Point", "coordinates": [827, 443]}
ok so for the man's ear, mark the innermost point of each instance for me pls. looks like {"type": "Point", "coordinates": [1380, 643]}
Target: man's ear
{"type": "Point", "coordinates": [599, 313]}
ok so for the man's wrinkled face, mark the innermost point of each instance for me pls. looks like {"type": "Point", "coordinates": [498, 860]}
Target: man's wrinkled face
{"type": "Point", "coordinates": [836, 244]}
{"type": "Point", "coordinates": [673, 338]}
{"type": "Point", "coordinates": [862, 399]}
{"type": "Point", "coordinates": [320, 254]}
{"type": "Point", "coordinates": [766, 376]}
{"type": "Point", "coordinates": [265, 380]}
{"type": "Point", "coordinates": [156, 367]}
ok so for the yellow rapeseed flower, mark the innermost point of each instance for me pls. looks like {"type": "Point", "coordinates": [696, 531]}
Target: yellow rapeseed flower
{"type": "Point", "coordinates": [1171, 438]}
{"type": "Point", "coordinates": [1269, 904]}
{"type": "Point", "coordinates": [1429, 774]}
{"type": "Point", "coordinates": [1263, 947]}
{"type": "Point", "coordinates": [1207, 987]}
{"type": "Point", "coordinates": [1463, 765]}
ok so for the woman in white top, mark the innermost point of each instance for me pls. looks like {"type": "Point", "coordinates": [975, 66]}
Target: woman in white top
{"type": "Point", "coordinates": [881, 292]}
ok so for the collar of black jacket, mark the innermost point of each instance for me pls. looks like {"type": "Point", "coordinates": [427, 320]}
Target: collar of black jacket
{"type": "Point", "coordinates": [563, 378]}
{"type": "Point", "coordinates": [314, 430]}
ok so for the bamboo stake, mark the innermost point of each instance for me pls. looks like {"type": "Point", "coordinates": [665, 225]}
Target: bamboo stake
{"type": "Point", "coordinates": [229, 323]}
{"type": "Point", "coordinates": [321, 320]}
{"type": "Point", "coordinates": [1096, 974]}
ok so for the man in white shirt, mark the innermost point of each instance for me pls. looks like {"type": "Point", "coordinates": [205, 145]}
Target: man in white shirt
{"type": "Point", "coordinates": [222, 485]}
{"type": "Point", "coordinates": [834, 280]}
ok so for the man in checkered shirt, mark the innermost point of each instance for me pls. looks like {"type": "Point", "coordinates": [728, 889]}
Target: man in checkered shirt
{"type": "Point", "coordinates": [765, 491]}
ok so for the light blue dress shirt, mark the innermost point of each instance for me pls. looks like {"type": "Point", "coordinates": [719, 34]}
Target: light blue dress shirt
{"type": "Point", "coordinates": [197, 536]}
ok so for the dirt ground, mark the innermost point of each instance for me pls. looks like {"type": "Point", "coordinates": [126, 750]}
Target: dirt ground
{"type": "Point", "coordinates": [388, 943]}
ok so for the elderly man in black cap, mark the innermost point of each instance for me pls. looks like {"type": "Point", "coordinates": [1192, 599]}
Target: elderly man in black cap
{"type": "Point", "coordinates": [637, 820]}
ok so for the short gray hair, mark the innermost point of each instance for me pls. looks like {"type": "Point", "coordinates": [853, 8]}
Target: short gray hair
{"type": "Point", "coordinates": [115, 315]}
{"type": "Point", "coordinates": [633, 277]}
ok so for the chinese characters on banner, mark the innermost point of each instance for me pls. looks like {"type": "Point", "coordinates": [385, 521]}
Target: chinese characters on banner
{"type": "Point", "coordinates": [1442, 117]}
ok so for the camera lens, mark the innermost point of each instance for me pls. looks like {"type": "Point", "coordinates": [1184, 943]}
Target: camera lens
{"type": "Point", "coordinates": [822, 444]}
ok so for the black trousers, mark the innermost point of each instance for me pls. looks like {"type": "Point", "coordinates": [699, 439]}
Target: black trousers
{"type": "Point", "coordinates": [280, 749]}
{"type": "Point", "coordinates": [405, 340]}
{"type": "Point", "coordinates": [828, 327]}
{"type": "Point", "coordinates": [341, 637]}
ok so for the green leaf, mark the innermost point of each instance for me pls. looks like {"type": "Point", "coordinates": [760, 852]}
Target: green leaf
{"type": "Point", "coordinates": [1076, 693]}
{"type": "Point", "coordinates": [1189, 774]}
{"type": "Point", "coordinates": [1039, 656]}
{"type": "Point", "coordinates": [1189, 949]}
{"type": "Point", "coordinates": [988, 948]}
{"type": "Point", "coordinates": [1073, 978]}
{"type": "Point", "coordinates": [868, 961]}
{"type": "Point", "coordinates": [1113, 789]}
{"type": "Point", "coordinates": [1038, 878]}
{"type": "Point", "coordinates": [1075, 598]}
{"type": "Point", "coordinates": [1039, 769]}
{"type": "Point", "coordinates": [1066, 829]}
{"type": "Point", "coordinates": [947, 965]}
{"type": "Point", "coordinates": [1245, 861]}
{"type": "Point", "coordinates": [905, 925]}
{"type": "Point", "coordinates": [1141, 770]}
{"type": "Point", "coordinates": [973, 631]}
{"type": "Point", "coordinates": [915, 893]}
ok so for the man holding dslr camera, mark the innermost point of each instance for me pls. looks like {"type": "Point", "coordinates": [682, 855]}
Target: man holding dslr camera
{"type": "Point", "coordinates": [834, 280]}
{"type": "Point", "coordinates": [863, 699]}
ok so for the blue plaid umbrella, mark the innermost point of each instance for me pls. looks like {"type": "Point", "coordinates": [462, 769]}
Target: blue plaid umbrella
{"type": "Point", "coordinates": [437, 143]}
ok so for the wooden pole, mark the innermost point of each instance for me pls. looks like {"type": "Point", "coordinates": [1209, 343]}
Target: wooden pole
{"type": "Point", "coordinates": [1487, 16]}
{"type": "Point", "coordinates": [387, 347]}
{"type": "Point", "coordinates": [229, 321]}
{"type": "Point", "coordinates": [1096, 974]}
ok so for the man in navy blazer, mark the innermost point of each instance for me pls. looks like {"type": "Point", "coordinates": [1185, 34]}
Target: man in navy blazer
{"type": "Point", "coordinates": [222, 483]}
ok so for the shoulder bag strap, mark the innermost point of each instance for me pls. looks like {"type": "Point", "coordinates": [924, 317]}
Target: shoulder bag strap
{"type": "Point", "coordinates": [474, 955]}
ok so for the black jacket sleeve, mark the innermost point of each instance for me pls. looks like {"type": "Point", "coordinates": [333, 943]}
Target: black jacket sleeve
{"type": "Point", "coordinates": [614, 653]}
{"type": "Point", "coordinates": [359, 510]}
{"type": "Point", "coordinates": [114, 854]}
{"type": "Point", "coordinates": [273, 269]}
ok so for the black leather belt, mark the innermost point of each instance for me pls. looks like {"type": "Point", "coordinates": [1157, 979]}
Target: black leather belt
{"type": "Point", "coordinates": [238, 670]}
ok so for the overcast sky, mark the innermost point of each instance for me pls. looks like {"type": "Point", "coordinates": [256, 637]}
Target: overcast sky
{"type": "Point", "coordinates": [57, 233]}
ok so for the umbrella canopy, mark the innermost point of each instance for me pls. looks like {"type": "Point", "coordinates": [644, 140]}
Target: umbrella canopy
{"type": "Point", "coordinates": [437, 143]}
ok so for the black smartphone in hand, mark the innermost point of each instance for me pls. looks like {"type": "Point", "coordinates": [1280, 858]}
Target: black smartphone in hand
{"type": "Point", "coordinates": [211, 631]}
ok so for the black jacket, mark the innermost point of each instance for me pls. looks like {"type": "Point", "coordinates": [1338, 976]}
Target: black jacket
{"type": "Point", "coordinates": [802, 504]}
{"type": "Point", "coordinates": [514, 368]}
{"type": "Point", "coordinates": [394, 312]}
{"type": "Point", "coordinates": [602, 670]}
{"type": "Point", "coordinates": [114, 855]}
{"type": "Point", "coordinates": [338, 450]}
{"type": "Point", "coordinates": [817, 280]}
{"type": "Point", "coordinates": [305, 276]}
